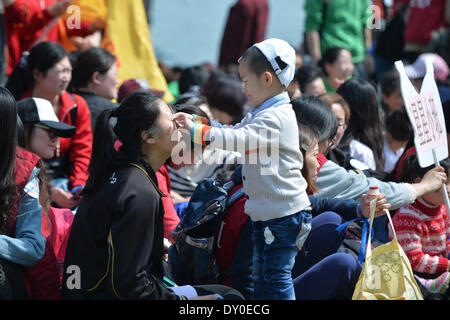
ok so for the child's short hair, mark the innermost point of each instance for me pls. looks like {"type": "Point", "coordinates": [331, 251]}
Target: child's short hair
{"type": "Point", "coordinates": [398, 125]}
{"type": "Point", "coordinates": [257, 61]}
{"type": "Point", "coordinates": [412, 170]}
{"type": "Point", "coordinates": [273, 55]}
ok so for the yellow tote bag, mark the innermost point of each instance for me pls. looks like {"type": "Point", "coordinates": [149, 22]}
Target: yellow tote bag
{"type": "Point", "coordinates": [386, 272]}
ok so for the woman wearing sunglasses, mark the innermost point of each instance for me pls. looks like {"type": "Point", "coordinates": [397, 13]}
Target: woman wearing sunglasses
{"type": "Point", "coordinates": [41, 133]}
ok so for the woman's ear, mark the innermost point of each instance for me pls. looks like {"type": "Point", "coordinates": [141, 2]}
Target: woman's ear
{"type": "Point", "coordinates": [96, 78]}
{"type": "Point", "coordinates": [147, 137]}
{"type": "Point", "coordinates": [37, 75]}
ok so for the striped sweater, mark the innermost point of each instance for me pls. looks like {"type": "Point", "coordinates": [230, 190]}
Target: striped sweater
{"type": "Point", "coordinates": [423, 231]}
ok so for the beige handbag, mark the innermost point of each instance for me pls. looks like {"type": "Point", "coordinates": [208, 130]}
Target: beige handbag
{"type": "Point", "coordinates": [386, 272]}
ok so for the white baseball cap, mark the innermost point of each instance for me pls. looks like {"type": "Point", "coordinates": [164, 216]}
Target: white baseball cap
{"type": "Point", "coordinates": [282, 58]}
{"type": "Point", "coordinates": [38, 110]}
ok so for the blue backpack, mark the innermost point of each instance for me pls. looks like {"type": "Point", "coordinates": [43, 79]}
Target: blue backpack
{"type": "Point", "coordinates": [192, 257]}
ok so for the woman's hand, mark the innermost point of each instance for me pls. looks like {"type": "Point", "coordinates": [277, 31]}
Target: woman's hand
{"type": "Point", "coordinates": [166, 246]}
{"type": "Point", "coordinates": [380, 208]}
{"type": "Point", "coordinates": [185, 120]}
{"type": "Point", "coordinates": [433, 180]}
{"type": "Point", "coordinates": [63, 199]}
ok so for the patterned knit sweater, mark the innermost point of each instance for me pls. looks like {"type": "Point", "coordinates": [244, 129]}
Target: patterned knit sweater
{"type": "Point", "coordinates": [422, 231]}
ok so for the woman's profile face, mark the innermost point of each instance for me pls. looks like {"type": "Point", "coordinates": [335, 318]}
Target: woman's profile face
{"type": "Point", "coordinates": [56, 79]}
{"type": "Point", "coordinates": [311, 163]}
{"type": "Point", "coordinates": [343, 67]}
{"type": "Point", "coordinates": [315, 88]}
{"type": "Point", "coordinates": [109, 81]}
{"type": "Point", "coordinates": [169, 135]}
{"type": "Point", "coordinates": [43, 143]}
{"type": "Point", "coordinates": [339, 112]}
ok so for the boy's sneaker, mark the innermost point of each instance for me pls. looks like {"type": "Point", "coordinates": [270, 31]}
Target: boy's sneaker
{"type": "Point", "coordinates": [437, 285]}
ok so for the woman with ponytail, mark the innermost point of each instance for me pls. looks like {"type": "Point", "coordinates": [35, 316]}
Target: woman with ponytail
{"type": "Point", "coordinates": [116, 240]}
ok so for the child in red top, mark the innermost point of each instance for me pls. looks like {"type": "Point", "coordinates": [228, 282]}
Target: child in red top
{"type": "Point", "coordinates": [423, 230]}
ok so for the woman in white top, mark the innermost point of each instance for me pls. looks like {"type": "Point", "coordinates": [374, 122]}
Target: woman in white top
{"type": "Point", "coordinates": [363, 139]}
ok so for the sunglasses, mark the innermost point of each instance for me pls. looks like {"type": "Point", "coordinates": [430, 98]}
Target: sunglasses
{"type": "Point", "coordinates": [53, 133]}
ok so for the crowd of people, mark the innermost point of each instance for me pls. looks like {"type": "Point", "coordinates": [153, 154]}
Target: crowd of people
{"type": "Point", "coordinates": [96, 173]}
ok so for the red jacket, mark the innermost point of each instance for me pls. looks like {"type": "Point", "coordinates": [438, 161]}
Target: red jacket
{"type": "Point", "coordinates": [171, 218]}
{"type": "Point", "coordinates": [24, 23]}
{"type": "Point", "coordinates": [42, 280]}
{"type": "Point", "coordinates": [246, 25]}
{"type": "Point", "coordinates": [423, 20]}
{"type": "Point", "coordinates": [79, 146]}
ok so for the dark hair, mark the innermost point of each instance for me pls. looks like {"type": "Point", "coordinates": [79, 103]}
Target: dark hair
{"type": "Point", "coordinates": [191, 109]}
{"type": "Point", "coordinates": [8, 143]}
{"type": "Point", "coordinates": [42, 57]}
{"type": "Point", "coordinates": [390, 82]}
{"type": "Point", "coordinates": [332, 98]}
{"type": "Point", "coordinates": [305, 75]}
{"type": "Point", "coordinates": [137, 112]}
{"type": "Point", "coordinates": [329, 56]}
{"type": "Point", "coordinates": [446, 110]}
{"type": "Point", "coordinates": [193, 76]}
{"type": "Point", "coordinates": [257, 61]}
{"type": "Point", "coordinates": [87, 63]}
{"type": "Point", "coordinates": [25, 132]}
{"type": "Point", "coordinates": [313, 112]}
{"type": "Point", "coordinates": [365, 124]}
{"type": "Point", "coordinates": [398, 125]}
{"type": "Point", "coordinates": [411, 168]}
{"type": "Point", "coordinates": [307, 135]}
{"type": "Point", "coordinates": [225, 94]}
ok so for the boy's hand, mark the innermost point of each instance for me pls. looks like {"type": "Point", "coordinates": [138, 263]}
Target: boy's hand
{"type": "Point", "coordinates": [184, 119]}
{"type": "Point", "coordinates": [381, 205]}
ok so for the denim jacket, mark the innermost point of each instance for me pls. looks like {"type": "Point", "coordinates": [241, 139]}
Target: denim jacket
{"type": "Point", "coordinates": [28, 245]}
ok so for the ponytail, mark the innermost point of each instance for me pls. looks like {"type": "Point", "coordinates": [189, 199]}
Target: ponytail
{"type": "Point", "coordinates": [101, 163]}
{"type": "Point", "coordinates": [137, 112]}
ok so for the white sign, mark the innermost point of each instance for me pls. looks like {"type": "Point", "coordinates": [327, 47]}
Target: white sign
{"type": "Point", "coordinates": [427, 118]}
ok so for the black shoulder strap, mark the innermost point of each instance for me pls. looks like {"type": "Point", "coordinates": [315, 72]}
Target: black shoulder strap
{"type": "Point", "coordinates": [73, 112]}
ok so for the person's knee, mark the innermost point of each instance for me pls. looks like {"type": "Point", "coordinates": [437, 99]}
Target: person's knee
{"type": "Point", "coordinates": [328, 218]}
{"type": "Point", "coordinates": [346, 265]}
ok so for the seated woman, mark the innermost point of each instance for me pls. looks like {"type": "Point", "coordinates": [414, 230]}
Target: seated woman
{"type": "Point", "coordinates": [363, 138]}
{"type": "Point", "coordinates": [337, 66]}
{"type": "Point", "coordinates": [47, 74]}
{"type": "Point", "coordinates": [125, 236]}
{"type": "Point", "coordinates": [94, 77]}
{"type": "Point", "coordinates": [41, 129]}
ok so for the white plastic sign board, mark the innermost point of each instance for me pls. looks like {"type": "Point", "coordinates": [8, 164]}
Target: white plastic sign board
{"type": "Point", "coordinates": [427, 118]}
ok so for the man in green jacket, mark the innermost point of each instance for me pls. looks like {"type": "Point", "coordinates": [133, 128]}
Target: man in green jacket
{"type": "Point", "coordinates": [338, 23]}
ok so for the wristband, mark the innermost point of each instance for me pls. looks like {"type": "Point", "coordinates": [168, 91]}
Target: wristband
{"type": "Point", "coordinates": [360, 213]}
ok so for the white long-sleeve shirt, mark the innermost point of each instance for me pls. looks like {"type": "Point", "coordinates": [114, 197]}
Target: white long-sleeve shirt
{"type": "Point", "coordinates": [268, 141]}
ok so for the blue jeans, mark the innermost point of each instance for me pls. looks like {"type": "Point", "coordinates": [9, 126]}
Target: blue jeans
{"type": "Point", "coordinates": [276, 244]}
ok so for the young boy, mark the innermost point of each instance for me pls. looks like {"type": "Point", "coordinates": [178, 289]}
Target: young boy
{"type": "Point", "coordinates": [277, 202]}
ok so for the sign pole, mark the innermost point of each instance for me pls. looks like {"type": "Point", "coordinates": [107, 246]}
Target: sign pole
{"type": "Point", "coordinates": [444, 188]}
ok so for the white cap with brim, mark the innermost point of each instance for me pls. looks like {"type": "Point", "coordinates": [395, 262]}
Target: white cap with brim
{"type": "Point", "coordinates": [37, 110]}
{"type": "Point", "coordinates": [282, 58]}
